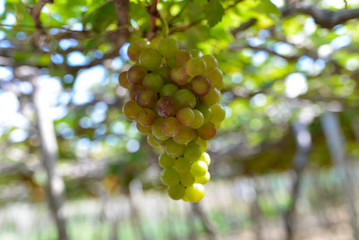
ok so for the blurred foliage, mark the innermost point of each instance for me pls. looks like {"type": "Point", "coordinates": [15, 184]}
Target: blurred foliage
{"type": "Point", "coordinates": [277, 70]}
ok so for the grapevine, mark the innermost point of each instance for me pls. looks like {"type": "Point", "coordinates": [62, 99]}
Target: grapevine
{"type": "Point", "coordinates": [174, 98]}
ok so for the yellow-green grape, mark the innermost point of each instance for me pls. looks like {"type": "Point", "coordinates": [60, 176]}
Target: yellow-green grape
{"type": "Point", "coordinates": [185, 116]}
{"type": "Point", "coordinates": [156, 129]}
{"type": "Point", "coordinates": [151, 142]}
{"type": "Point", "coordinates": [143, 130]}
{"type": "Point", "coordinates": [185, 98]}
{"type": "Point", "coordinates": [206, 112]}
{"type": "Point", "coordinates": [174, 149]}
{"type": "Point", "coordinates": [202, 143]}
{"type": "Point", "coordinates": [123, 81]}
{"type": "Point", "coordinates": [166, 161]}
{"type": "Point", "coordinates": [131, 110]}
{"type": "Point", "coordinates": [210, 61]}
{"type": "Point", "coordinates": [203, 179]}
{"type": "Point", "coordinates": [218, 113]}
{"type": "Point", "coordinates": [212, 97]}
{"type": "Point", "coordinates": [196, 66]}
{"type": "Point", "coordinates": [207, 131]}
{"type": "Point", "coordinates": [187, 179]}
{"type": "Point", "coordinates": [134, 50]}
{"type": "Point", "coordinates": [155, 42]}
{"type": "Point", "coordinates": [170, 177]}
{"type": "Point", "coordinates": [181, 57]}
{"type": "Point", "coordinates": [192, 151]}
{"type": "Point", "coordinates": [150, 59]}
{"type": "Point", "coordinates": [194, 193]}
{"type": "Point", "coordinates": [198, 119]}
{"type": "Point", "coordinates": [206, 158]}
{"type": "Point", "coordinates": [168, 47]}
{"type": "Point", "coordinates": [153, 81]}
{"type": "Point", "coordinates": [176, 192]}
{"type": "Point", "coordinates": [199, 168]}
{"type": "Point", "coordinates": [182, 165]}
{"type": "Point", "coordinates": [164, 71]}
{"type": "Point", "coordinates": [184, 136]}
{"type": "Point", "coordinates": [215, 77]}
{"type": "Point", "coordinates": [168, 90]}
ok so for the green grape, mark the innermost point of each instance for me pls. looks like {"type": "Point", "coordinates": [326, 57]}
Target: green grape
{"type": "Point", "coordinates": [153, 81]}
{"type": "Point", "coordinates": [165, 73]}
{"type": "Point", "coordinates": [168, 47]}
{"type": "Point", "coordinates": [150, 59]}
{"type": "Point", "coordinates": [131, 110]}
{"type": "Point", "coordinates": [215, 77]}
{"type": "Point", "coordinates": [200, 85]}
{"type": "Point", "coordinates": [170, 177]}
{"type": "Point", "coordinates": [143, 41]}
{"type": "Point", "coordinates": [160, 141]}
{"type": "Point", "coordinates": [207, 113]}
{"type": "Point", "coordinates": [134, 91]}
{"type": "Point", "coordinates": [210, 61]}
{"type": "Point", "coordinates": [195, 66]}
{"type": "Point", "coordinates": [146, 98]}
{"type": "Point", "coordinates": [151, 142]}
{"type": "Point", "coordinates": [134, 50]}
{"type": "Point", "coordinates": [155, 42]}
{"type": "Point", "coordinates": [218, 113]}
{"type": "Point", "coordinates": [195, 53]}
{"type": "Point", "coordinates": [168, 89]}
{"type": "Point", "coordinates": [178, 76]}
{"type": "Point", "coordinates": [166, 161]}
{"type": "Point", "coordinates": [198, 119]}
{"type": "Point", "coordinates": [170, 126]}
{"type": "Point", "coordinates": [206, 158]}
{"type": "Point", "coordinates": [192, 151]}
{"type": "Point", "coordinates": [156, 129]}
{"type": "Point", "coordinates": [202, 143]}
{"type": "Point", "coordinates": [142, 129]}
{"type": "Point", "coordinates": [187, 179]}
{"type": "Point", "coordinates": [174, 149]}
{"type": "Point", "coordinates": [212, 97]}
{"type": "Point", "coordinates": [185, 116]}
{"type": "Point", "coordinates": [123, 81]}
{"type": "Point", "coordinates": [136, 74]}
{"type": "Point", "coordinates": [171, 62]}
{"type": "Point", "coordinates": [207, 131]}
{"type": "Point", "coordinates": [166, 107]}
{"type": "Point", "coordinates": [194, 193]}
{"type": "Point", "coordinates": [184, 136]}
{"type": "Point", "coordinates": [146, 117]}
{"type": "Point", "coordinates": [203, 179]}
{"type": "Point", "coordinates": [181, 58]}
{"type": "Point", "coordinates": [176, 192]}
{"type": "Point", "coordinates": [199, 168]}
{"type": "Point", "coordinates": [182, 165]}
{"type": "Point", "coordinates": [185, 98]}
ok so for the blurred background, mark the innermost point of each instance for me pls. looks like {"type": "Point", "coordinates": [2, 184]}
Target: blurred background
{"type": "Point", "coordinates": [284, 162]}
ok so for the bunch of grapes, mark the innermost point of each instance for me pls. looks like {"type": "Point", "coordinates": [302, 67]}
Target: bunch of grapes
{"type": "Point", "coordinates": [174, 98]}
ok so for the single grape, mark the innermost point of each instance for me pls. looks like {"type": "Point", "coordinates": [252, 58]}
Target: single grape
{"type": "Point", "coordinates": [170, 177]}
{"type": "Point", "coordinates": [168, 89]}
{"type": "Point", "coordinates": [146, 117]}
{"type": "Point", "coordinates": [156, 129]}
{"type": "Point", "coordinates": [150, 59]}
{"type": "Point", "coordinates": [166, 107]}
{"type": "Point", "coordinates": [123, 81]}
{"type": "Point", "coordinates": [143, 41]}
{"type": "Point", "coordinates": [195, 66]}
{"type": "Point", "coordinates": [187, 179]}
{"type": "Point", "coordinates": [198, 119]}
{"type": "Point", "coordinates": [134, 91]}
{"type": "Point", "coordinates": [185, 116]}
{"type": "Point", "coordinates": [143, 130]}
{"type": "Point", "coordinates": [134, 50]}
{"type": "Point", "coordinates": [196, 53]}
{"type": "Point", "coordinates": [165, 73]}
{"type": "Point", "coordinates": [155, 42]}
{"type": "Point", "coordinates": [176, 192]}
{"type": "Point", "coordinates": [212, 97]}
{"type": "Point", "coordinates": [207, 131]}
{"type": "Point", "coordinates": [182, 56]}
{"type": "Point", "coordinates": [168, 47]}
{"type": "Point", "coordinates": [146, 98]}
{"type": "Point", "coordinates": [171, 62]}
{"type": "Point", "coordinates": [211, 61]}
{"type": "Point", "coordinates": [136, 74]}
{"type": "Point", "coordinates": [203, 179]}
{"type": "Point", "coordinates": [199, 168]}
{"type": "Point", "coordinates": [195, 192]}
{"type": "Point", "coordinates": [218, 113]}
{"type": "Point", "coordinates": [184, 136]}
{"type": "Point", "coordinates": [174, 149]}
{"type": "Point", "coordinates": [131, 110]}
{"type": "Point", "coordinates": [178, 76]}
{"type": "Point", "coordinates": [160, 142]}
{"type": "Point", "coordinates": [166, 161]}
{"type": "Point", "coordinates": [206, 158]}
{"type": "Point", "coordinates": [207, 113]}
{"type": "Point", "coordinates": [151, 142]}
{"type": "Point", "coordinates": [153, 81]}
{"type": "Point", "coordinates": [215, 77]}
{"type": "Point", "coordinates": [203, 143]}
{"type": "Point", "coordinates": [192, 151]}
{"type": "Point", "coordinates": [200, 85]}
{"type": "Point", "coordinates": [185, 98]}
{"type": "Point", "coordinates": [182, 165]}
{"type": "Point", "coordinates": [170, 126]}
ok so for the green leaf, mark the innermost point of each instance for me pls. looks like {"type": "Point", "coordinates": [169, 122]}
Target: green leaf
{"type": "Point", "coordinates": [102, 17]}
{"type": "Point", "coordinates": [213, 12]}
{"type": "Point", "coordinates": [267, 7]}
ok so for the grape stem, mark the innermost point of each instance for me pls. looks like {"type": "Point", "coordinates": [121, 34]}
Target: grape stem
{"type": "Point", "coordinates": [154, 14]}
